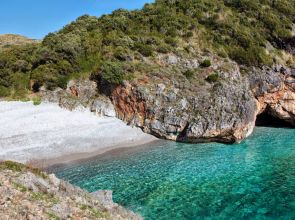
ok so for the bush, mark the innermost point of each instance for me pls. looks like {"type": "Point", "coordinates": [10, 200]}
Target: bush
{"type": "Point", "coordinates": [189, 74]}
{"type": "Point", "coordinates": [213, 77]}
{"type": "Point", "coordinates": [46, 75]}
{"type": "Point", "coordinates": [189, 34]}
{"type": "Point", "coordinates": [252, 56]}
{"type": "Point", "coordinates": [121, 54]}
{"type": "Point", "coordinates": [113, 72]}
{"type": "Point", "coordinates": [4, 91]}
{"type": "Point", "coordinates": [37, 100]}
{"type": "Point", "coordinates": [237, 28]}
{"type": "Point", "coordinates": [171, 41]}
{"type": "Point", "coordinates": [145, 50]}
{"type": "Point", "coordinates": [206, 63]}
{"type": "Point", "coordinates": [163, 48]}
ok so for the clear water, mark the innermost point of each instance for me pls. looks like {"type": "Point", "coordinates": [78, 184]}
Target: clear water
{"type": "Point", "coordinates": [251, 180]}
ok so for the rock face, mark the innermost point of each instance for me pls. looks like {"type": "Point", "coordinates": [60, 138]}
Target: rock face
{"type": "Point", "coordinates": [216, 103]}
{"type": "Point", "coordinates": [275, 91]}
{"type": "Point", "coordinates": [103, 106]}
{"type": "Point", "coordinates": [81, 95]}
{"type": "Point", "coordinates": [199, 110]}
{"type": "Point", "coordinates": [27, 193]}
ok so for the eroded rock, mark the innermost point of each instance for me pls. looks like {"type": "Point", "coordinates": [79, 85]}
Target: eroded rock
{"type": "Point", "coordinates": [27, 193]}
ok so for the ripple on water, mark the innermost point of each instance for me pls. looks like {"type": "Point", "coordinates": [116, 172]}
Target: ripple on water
{"type": "Point", "coordinates": [255, 179]}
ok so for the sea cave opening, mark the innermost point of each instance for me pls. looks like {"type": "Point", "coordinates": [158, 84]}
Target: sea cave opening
{"type": "Point", "coordinates": [265, 119]}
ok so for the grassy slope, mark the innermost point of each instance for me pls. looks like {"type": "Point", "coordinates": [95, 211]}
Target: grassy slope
{"type": "Point", "coordinates": [9, 40]}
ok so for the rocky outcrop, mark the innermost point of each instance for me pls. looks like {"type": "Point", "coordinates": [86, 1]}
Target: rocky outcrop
{"type": "Point", "coordinates": [183, 101]}
{"type": "Point", "coordinates": [103, 106]}
{"type": "Point", "coordinates": [28, 193]}
{"type": "Point", "coordinates": [199, 110]}
{"type": "Point", "coordinates": [81, 95]}
{"type": "Point", "coordinates": [190, 111]}
{"type": "Point", "coordinates": [274, 89]}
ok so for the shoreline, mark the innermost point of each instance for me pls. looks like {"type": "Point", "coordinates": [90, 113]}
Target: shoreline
{"type": "Point", "coordinates": [63, 160]}
{"type": "Point", "coordinates": [51, 164]}
{"type": "Point", "coordinates": [47, 135]}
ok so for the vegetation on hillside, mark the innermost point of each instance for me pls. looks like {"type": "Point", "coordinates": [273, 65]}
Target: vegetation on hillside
{"type": "Point", "coordinates": [251, 32]}
{"type": "Point", "coordinates": [10, 40]}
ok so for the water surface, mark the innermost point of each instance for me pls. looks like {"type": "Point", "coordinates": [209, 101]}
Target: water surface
{"type": "Point", "coordinates": [251, 180]}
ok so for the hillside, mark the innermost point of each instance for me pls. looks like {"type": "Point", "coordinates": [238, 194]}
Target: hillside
{"type": "Point", "coordinates": [248, 31]}
{"type": "Point", "coordinates": [183, 70]}
{"type": "Point", "coordinates": [27, 193]}
{"type": "Point", "coordinates": [8, 40]}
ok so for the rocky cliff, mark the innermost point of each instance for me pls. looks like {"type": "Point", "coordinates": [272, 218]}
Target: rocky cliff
{"type": "Point", "coordinates": [216, 103]}
{"type": "Point", "coordinates": [200, 109]}
{"type": "Point", "coordinates": [27, 193]}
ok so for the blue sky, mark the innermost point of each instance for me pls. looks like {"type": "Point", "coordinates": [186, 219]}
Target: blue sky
{"type": "Point", "coordinates": [36, 18]}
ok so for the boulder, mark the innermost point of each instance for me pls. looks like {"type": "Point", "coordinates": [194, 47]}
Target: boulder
{"type": "Point", "coordinates": [103, 106]}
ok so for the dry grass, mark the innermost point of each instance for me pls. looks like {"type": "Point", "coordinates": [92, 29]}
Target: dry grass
{"type": "Point", "coordinates": [8, 40]}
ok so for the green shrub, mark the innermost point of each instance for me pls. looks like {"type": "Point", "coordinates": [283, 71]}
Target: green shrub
{"type": "Point", "coordinates": [145, 50]}
{"type": "Point", "coordinates": [252, 56]}
{"type": "Point", "coordinates": [19, 94]}
{"type": "Point", "coordinates": [37, 100]}
{"type": "Point", "coordinates": [206, 63]}
{"type": "Point", "coordinates": [171, 41]}
{"type": "Point", "coordinates": [163, 48]}
{"type": "Point", "coordinates": [189, 34]}
{"type": "Point", "coordinates": [46, 75]}
{"type": "Point", "coordinates": [222, 53]}
{"type": "Point", "coordinates": [189, 73]}
{"type": "Point", "coordinates": [213, 77]}
{"type": "Point", "coordinates": [10, 165]}
{"type": "Point", "coordinates": [4, 91]}
{"type": "Point", "coordinates": [25, 99]}
{"type": "Point", "coordinates": [113, 72]}
{"type": "Point", "coordinates": [121, 54]}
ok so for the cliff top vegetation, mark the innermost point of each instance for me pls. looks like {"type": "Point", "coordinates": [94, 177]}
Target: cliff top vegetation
{"type": "Point", "coordinates": [114, 46]}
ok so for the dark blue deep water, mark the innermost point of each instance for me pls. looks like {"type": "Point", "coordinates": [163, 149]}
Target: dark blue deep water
{"type": "Point", "coordinates": [251, 180]}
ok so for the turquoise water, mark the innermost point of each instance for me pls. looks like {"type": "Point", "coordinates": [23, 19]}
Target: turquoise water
{"type": "Point", "coordinates": [251, 180]}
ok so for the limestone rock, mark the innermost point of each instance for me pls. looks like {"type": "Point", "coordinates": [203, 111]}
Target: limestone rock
{"type": "Point", "coordinates": [169, 105]}
{"type": "Point", "coordinates": [224, 110]}
{"type": "Point", "coordinates": [85, 90]}
{"type": "Point", "coordinates": [275, 92]}
{"type": "Point", "coordinates": [103, 106]}
{"type": "Point", "coordinates": [27, 193]}
{"type": "Point", "coordinates": [106, 197]}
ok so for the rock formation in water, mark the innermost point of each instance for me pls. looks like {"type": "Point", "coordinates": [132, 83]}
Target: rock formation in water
{"type": "Point", "coordinates": [223, 111]}
{"type": "Point", "coordinates": [27, 193]}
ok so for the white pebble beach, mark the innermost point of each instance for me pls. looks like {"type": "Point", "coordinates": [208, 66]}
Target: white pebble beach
{"type": "Point", "coordinates": [48, 132]}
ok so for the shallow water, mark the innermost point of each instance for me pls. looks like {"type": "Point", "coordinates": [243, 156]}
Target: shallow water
{"type": "Point", "coordinates": [251, 180]}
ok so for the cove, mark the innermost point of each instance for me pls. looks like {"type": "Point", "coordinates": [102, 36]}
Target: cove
{"type": "Point", "coordinates": [168, 180]}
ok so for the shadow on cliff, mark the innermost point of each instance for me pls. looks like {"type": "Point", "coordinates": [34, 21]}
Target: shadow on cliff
{"type": "Point", "coordinates": [267, 120]}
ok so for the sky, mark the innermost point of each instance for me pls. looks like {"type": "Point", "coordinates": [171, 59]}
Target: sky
{"type": "Point", "coordinates": [36, 18]}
